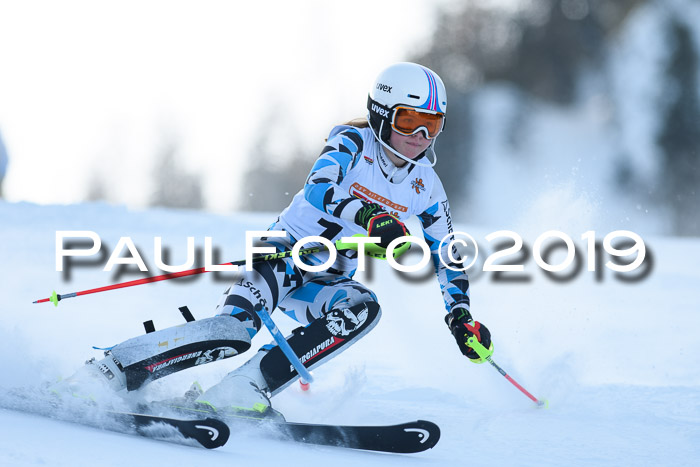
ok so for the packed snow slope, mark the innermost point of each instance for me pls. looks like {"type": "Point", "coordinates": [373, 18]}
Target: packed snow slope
{"type": "Point", "coordinates": [618, 361]}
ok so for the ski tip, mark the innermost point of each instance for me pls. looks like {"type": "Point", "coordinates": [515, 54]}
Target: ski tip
{"type": "Point", "coordinates": [212, 432]}
{"type": "Point", "coordinates": [427, 436]}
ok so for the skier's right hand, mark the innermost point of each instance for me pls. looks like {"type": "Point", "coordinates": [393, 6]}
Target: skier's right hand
{"type": "Point", "coordinates": [380, 223]}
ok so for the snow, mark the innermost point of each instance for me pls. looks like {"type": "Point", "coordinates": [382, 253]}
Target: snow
{"type": "Point", "coordinates": [618, 361]}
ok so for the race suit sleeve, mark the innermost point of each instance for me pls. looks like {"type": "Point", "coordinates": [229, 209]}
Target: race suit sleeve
{"type": "Point", "coordinates": [437, 224]}
{"type": "Point", "coordinates": [341, 154]}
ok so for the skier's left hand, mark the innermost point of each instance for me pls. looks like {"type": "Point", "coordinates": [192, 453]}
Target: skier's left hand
{"type": "Point", "coordinates": [463, 326]}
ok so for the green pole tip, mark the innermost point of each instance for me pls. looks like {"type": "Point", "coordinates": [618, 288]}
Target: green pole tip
{"type": "Point", "coordinates": [54, 298]}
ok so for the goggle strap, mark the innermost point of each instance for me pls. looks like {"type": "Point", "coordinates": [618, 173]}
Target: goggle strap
{"type": "Point", "coordinates": [375, 107]}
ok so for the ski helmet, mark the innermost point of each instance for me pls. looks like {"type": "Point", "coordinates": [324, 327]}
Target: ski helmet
{"type": "Point", "coordinates": [407, 98]}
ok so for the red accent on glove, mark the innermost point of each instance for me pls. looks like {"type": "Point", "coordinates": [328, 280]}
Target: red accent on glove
{"type": "Point", "coordinates": [474, 329]}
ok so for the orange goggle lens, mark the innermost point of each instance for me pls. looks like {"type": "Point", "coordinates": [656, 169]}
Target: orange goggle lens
{"type": "Point", "coordinates": [407, 121]}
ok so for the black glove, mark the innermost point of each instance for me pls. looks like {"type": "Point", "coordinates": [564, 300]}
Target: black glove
{"type": "Point", "coordinates": [463, 326]}
{"type": "Point", "coordinates": [380, 223]}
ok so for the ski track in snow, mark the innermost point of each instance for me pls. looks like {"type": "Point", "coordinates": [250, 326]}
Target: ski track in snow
{"type": "Point", "coordinates": [618, 362]}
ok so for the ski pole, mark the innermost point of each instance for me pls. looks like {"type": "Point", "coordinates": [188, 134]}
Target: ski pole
{"type": "Point", "coordinates": [484, 353]}
{"type": "Point", "coordinates": [304, 374]}
{"type": "Point", "coordinates": [55, 298]}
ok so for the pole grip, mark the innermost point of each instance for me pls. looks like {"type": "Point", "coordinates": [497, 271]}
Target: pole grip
{"type": "Point", "coordinates": [479, 348]}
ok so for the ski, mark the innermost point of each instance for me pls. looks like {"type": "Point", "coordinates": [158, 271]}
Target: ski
{"type": "Point", "coordinates": [209, 432]}
{"type": "Point", "coordinates": [404, 438]}
{"type": "Point", "coordinates": [213, 432]}
{"type": "Point", "coordinates": [202, 426]}
{"type": "Point", "coordinates": [201, 430]}
{"type": "Point", "coordinates": [410, 437]}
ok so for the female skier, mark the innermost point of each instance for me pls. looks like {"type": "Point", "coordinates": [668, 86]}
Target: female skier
{"type": "Point", "coordinates": [369, 179]}
{"type": "Point", "coordinates": [371, 176]}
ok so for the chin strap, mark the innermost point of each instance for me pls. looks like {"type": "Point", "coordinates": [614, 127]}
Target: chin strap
{"type": "Point", "coordinates": [428, 151]}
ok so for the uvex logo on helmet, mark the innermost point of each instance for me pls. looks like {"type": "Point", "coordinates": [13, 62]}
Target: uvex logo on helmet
{"type": "Point", "coordinates": [384, 87]}
{"type": "Point", "coordinates": [380, 111]}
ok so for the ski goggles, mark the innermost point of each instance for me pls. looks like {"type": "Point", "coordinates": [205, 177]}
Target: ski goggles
{"type": "Point", "coordinates": [409, 120]}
